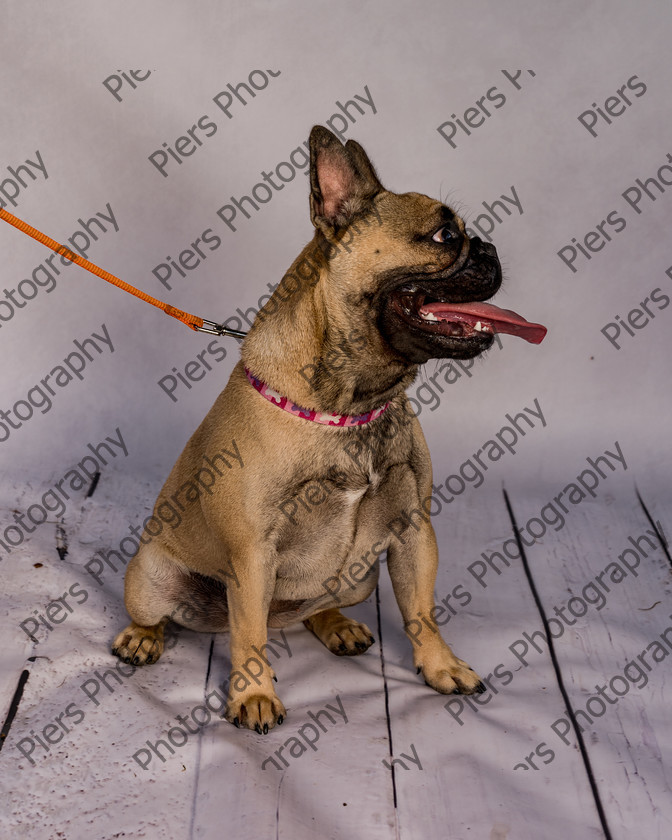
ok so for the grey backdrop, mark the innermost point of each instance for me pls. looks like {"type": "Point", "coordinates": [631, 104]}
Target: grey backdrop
{"type": "Point", "coordinates": [421, 63]}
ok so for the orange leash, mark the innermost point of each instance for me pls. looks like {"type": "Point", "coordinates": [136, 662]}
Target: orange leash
{"type": "Point", "coordinates": [192, 321]}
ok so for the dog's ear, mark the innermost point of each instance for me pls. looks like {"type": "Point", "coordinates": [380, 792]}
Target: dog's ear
{"type": "Point", "coordinates": [342, 180]}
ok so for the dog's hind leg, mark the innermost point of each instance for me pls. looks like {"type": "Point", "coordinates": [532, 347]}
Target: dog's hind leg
{"type": "Point", "coordinates": [158, 590]}
{"type": "Point", "coordinates": [149, 585]}
{"type": "Point", "coordinates": [341, 635]}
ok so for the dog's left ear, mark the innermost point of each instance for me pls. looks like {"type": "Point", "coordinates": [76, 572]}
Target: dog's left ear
{"type": "Point", "coordinates": [342, 180]}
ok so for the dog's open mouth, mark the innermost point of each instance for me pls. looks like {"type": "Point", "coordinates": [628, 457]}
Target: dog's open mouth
{"type": "Point", "coordinates": [463, 320]}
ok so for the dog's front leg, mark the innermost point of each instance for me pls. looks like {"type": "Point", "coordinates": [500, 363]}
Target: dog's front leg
{"type": "Point", "coordinates": [412, 565]}
{"type": "Point", "coordinates": [252, 701]}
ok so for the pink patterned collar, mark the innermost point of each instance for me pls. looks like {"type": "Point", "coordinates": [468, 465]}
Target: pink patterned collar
{"type": "Point", "coordinates": [308, 413]}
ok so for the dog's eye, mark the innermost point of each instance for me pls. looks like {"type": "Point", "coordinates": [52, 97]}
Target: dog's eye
{"type": "Point", "coordinates": [445, 234]}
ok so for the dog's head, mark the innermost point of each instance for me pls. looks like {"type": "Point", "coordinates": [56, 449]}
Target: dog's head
{"type": "Point", "coordinates": [388, 282]}
{"type": "Point", "coordinates": [411, 268]}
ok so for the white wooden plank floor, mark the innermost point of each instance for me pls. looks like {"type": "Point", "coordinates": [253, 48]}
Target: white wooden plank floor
{"type": "Point", "coordinates": [408, 763]}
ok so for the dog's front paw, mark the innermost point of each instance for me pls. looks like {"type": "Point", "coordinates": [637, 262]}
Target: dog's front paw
{"type": "Point", "coordinates": [139, 645]}
{"type": "Point", "coordinates": [256, 710]}
{"type": "Point", "coordinates": [449, 675]}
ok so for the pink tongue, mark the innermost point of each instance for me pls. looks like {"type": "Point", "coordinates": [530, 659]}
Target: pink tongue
{"type": "Point", "coordinates": [499, 320]}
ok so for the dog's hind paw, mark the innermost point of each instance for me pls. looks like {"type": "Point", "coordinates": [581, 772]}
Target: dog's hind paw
{"type": "Point", "coordinates": [139, 645]}
{"type": "Point", "coordinates": [341, 635]}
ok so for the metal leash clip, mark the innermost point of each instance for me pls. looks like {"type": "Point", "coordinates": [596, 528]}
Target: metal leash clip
{"type": "Point", "coordinates": [219, 329]}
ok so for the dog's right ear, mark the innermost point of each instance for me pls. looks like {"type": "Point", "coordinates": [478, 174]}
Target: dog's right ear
{"type": "Point", "coordinates": [342, 180]}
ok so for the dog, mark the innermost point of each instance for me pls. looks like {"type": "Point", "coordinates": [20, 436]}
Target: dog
{"type": "Point", "coordinates": [316, 409]}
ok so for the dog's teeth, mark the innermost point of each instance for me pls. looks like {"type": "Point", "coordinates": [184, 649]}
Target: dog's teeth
{"type": "Point", "coordinates": [429, 316]}
{"type": "Point", "coordinates": [478, 326]}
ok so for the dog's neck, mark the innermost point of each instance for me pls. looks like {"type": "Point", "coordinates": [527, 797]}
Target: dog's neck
{"type": "Point", "coordinates": [324, 418]}
{"type": "Point", "coordinates": [313, 360]}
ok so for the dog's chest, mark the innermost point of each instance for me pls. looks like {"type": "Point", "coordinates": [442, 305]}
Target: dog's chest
{"type": "Point", "coordinates": [334, 496]}
{"type": "Point", "coordinates": [328, 520]}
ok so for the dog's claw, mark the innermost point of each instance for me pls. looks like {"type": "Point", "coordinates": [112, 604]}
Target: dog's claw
{"type": "Point", "coordinates": [265, 729]}
{"type": "Point", "coordinates": [257, 728]}
{"type": "Point", "coordinates": [481, 688]}
{"type": "Point", "coordinates": [419, 669]}
{"type": "Point", "coordinates": [275, 678]}
{"type": "Point", "coordinates": [280, 720]}
{"type": "Point", "coordinates": [236, 723]}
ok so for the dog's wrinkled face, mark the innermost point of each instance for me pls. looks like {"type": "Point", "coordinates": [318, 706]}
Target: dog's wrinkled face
{"type": "Point", "coordinates": [442, 266]}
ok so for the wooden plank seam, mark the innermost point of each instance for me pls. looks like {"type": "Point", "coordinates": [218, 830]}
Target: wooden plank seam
{"type": "Point", "coordinates": [558, 675]}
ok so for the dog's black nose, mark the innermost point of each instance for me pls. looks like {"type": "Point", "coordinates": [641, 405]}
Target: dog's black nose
{"type": "Point", "coordinates": [476, 244]}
